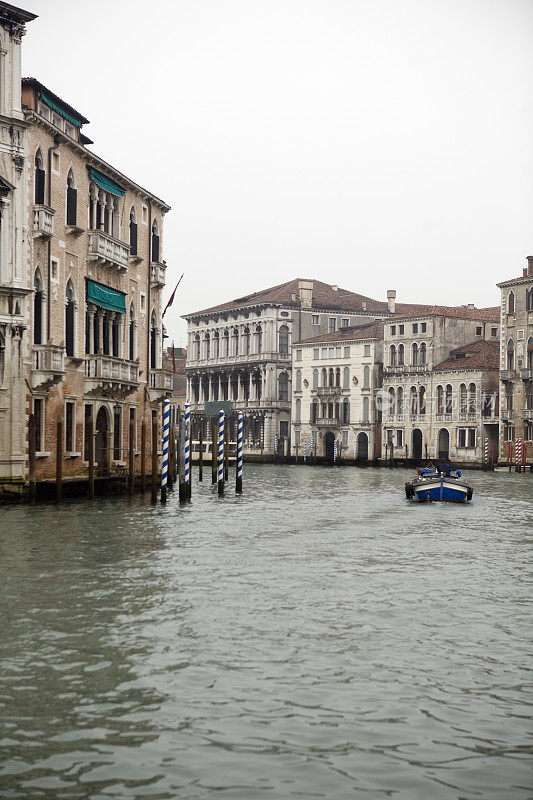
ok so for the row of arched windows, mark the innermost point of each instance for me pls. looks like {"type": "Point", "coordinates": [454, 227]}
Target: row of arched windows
{"type": "Point", "coordinates": [511, 301]}
{"type": "Point", "coordinates": [103, 209]}
{"type": "Point", "coordinates": [444, 399]}
{"type": "Point", "coordinates": [235, 343]}
{"type": "Point", "coordinates": [510, 359]}
{"type": "Point", "coordinates": [418, 354]}
{"type": "Point", "coordinates": [335, 411]}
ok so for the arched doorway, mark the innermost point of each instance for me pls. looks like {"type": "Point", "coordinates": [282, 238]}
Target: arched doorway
{"type": "Point", "coordinates": [329, 443]}
{"type": "Point", "coordinates": [101, 439]}
{"type": "Point", "coordinates": [416, 448]}
{"type": "Point", "coordinates": [444, 443]}
{"type": "Point", "coordinates": [362, 447]}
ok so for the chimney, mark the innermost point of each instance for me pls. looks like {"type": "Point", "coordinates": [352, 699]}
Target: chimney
{"type": "Point", "coordinates": [305, 289]}
{"type": "Point", "coordinates": [524, 272]}
{"type": "Point", "coordinates": [530, 266]}
{"type": "Point", "coordinates": [391, 300]}
{"type": "Point", "coordinates": [363, 305]}
{"type": "Point", "coordinates": [335, 288]}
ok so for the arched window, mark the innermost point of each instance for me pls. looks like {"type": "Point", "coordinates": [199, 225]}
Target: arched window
{"type": "Point", "coordinates": [345, 410]}
{"type": "Point", "coordinates": [392, 355]}
{"type": "Point", "coordinates": [331, 377]}
{"type": "Point", "coordinates": [324, 377]}
{"type": "Point", "coordinates": [131, 333]}
{"type": "Point", "coordinates": [449, 399]}
{"type": "Point", "coordinates": [153, 341]}
{"type": "Point", "coordinates": [314, 412]}
{"type": "Point", "coordinates": [366, 378]}
{"type": "Point", "coordinates": [338, 377]}
{"type": "Point", "coordinates": [463, 399]}
{"type": "Point", "coordinates": [259, 339]}
{"type": "Point", "coordinates": [69, 319]}
{"type": "Point", "coordinates": [440, 400]}
{"type": "Point", "coordinates": [401, 355]}
{"type": "Point", "coordinates": [235, 337]}
{"type": "Point", "coordinates": [346, 378]}
{"type": "Point", "coordinates": [315, 379]}
{"type": "Point", "coordinates": [422, 354]}
{"type": "Point", "coordinates": [197, 347]}
{"type": "Point", "coordinates": [72, 199]}
{"type": "Point", "coordinates": [298, 386]}
{"type": "Point", "coordinates": [510, 354]}
{"type": "Point", "coordinates": [38, 299]}
{"type": "Point", "coordinates": [40, 177]}
{"type": "Point", "coordinates": [422, 400]}
{"type": "Point", "coordinates": [392, 400]}
{"type": "Point", "coordinates": [246, 341]}
{"type": "Point", "coordinates": [529, 299]}
{"type": "Point", "coordinates": [283, 386]}
{"type": "Point", "coordinates": [366, 409]}
{"type": "Point", "coordinates": [133, 232]}
{"type": "Point", "coordinates": [115, 335]}
{"type": "Point", "coordinates": [414, 401]}
{"type": "Point", "coordinates": [283, 339]}
{"type": "Point", "coordinates": [399, 400]}
{"type": "Point", "coordinates": [298, 411]}
{"type": "Point", "coordinates": [414, 354]}
{"type": "Point", "coordinates": [155, 241]}
{"type": "Point", "coordinates": [225, 351]}
{"type": "Point", "coordinates": [472, 398]}
{"type": "Point", "coordinates": [216, 342]}
{"type": "Point", "coordinates": [510, 303]}
{"type": "Point", "coordinates": [530, 352]}
{"type": "Point", "coordinates": [207, 341]}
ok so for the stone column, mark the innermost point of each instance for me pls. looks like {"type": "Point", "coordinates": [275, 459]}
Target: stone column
{"type": "Point", "coordinates": [99, 318]}
{"type": "Point", "coordinates": [91, 310]}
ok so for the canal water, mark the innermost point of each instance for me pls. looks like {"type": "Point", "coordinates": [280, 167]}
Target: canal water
{"type": "Point", "coordinates": [318, 637]}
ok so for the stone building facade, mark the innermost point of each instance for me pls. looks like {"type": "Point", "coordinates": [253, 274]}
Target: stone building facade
{"type": "Point", "coordinates": [14, 288]}
{"type": "Point", "coordinates": [440, 383]}
{"type": "Point", "coordinates": [239, 352]}
{"type": "Point", "coordinates": [335, 394]}
{"type": "Point", "coordinates": [95, 271]}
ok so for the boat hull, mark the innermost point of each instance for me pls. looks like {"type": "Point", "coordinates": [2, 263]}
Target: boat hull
{"type": "Point", "coordinates": [438, 489]}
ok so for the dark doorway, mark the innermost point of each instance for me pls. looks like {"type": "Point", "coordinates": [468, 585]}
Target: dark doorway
{"type": "Point", "coordinates": [362, 447]}
{"type": "Point", "coordinates": [101, 440]}
{"type": "Point", "coordinates": [444, 443]}
{"type": "Point", "coordinates": [329, 444]}
{"type": "Point", "coordinates": [417, 442]}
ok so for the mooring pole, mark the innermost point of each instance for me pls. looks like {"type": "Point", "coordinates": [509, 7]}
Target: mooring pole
{"type": "Point", "coordinates": [90, 441]}
{"type": "Point", "coordinates": [131, 465]}
{"type": "Point", "coordinates": [59, 458]}
{"type": "Point", "coordinates": [154, 459]}
{"type": "Point", "coordinates": [170, 473]}
{"type": "Point", "coordinates": [31, 456]}
{"type": "Point", "coordinates": [143, 455]}
{"type": "Point", "coordinates": [164, 461]}
{"type": "Point", "coordinates": [226, 452]}
{"type": "Point", "coordinates": [238, 472]}
{"type": "Point", "coordinates": [214, 451]}
{"type": "Point", "coordinates": [183, 489]}
{"type": "Point", "coordinates": [220, 453]}
{"type": "Point", "coordinates": [200, 455]}
{"type": "Point", "coordinates": [187, 451]}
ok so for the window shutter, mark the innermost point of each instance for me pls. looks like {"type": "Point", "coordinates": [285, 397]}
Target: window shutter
{"type": "Point", "coordinates": [72, 202]}
{"type": "Point", "coordinates": [155, 248]}
{"type": "Point", "coordinates": [133, 238]}
{"type": "Point", "coordinates": [39, 186]}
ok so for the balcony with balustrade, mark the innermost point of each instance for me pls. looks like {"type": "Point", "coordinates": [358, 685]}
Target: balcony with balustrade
{"type": "Point", "coordinates": [526, 374]}
{"type": "Point", "coordinates": [108, 376]}
{"type": "Point", "coordinates": [48, 366]}
{"type": "Point", "coordinates": [160, 383]}
{"type": "Point", "coordinates": [107, 251]}
{"type": "Point", "coordinates": [43, 221]}
{"type": "Point", "coordinates": [158, 272]}
{"type": "Point", "coordinates": [507, 375]}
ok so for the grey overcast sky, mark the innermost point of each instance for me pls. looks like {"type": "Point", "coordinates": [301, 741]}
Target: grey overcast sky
{"type": "Point", "coordinates": [376, 144]}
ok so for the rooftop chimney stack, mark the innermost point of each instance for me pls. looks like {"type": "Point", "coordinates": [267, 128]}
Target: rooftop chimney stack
{"type": "Point", "coordinates": [335, 288]}
{"type": "Point", "coordinates": [391, 300]}
{"type": "Point", "coordinates": [305, 289]}
{"type": "Point", "coordinates": [530, 266]}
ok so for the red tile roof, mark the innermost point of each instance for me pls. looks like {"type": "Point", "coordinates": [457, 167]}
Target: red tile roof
{"type": "Point", "coordinates": [477, 355]}
{"type": "Point", "coordinates": [372, 331]}
{"type": "Point", "coordinates": [491, 314]}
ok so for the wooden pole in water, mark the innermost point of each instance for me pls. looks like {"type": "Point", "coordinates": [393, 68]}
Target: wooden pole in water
{"type": "Point", "coordinates": [187, 449]}
{"type": "Point", "coordinates": [226, 452]}
{"type": "Point", "coordinates": [214, 451]}
{"type": "Point", "coordinates": [238, 471]}
{"type": "Point", "coordinates": [170, 476]}
{"type": "Point", "coordinates": [31, 456]}
{"type": "Point", "coordinates": [59, 459]}
{"type": "Point", "coordinates": [183, 488]}
{"type": "Point", "coordinates": [131, 466]}
{"type": "Point", "coordinates": [200, 455]}
{"type": "Point", "coordinates": [164, 459]}
{"type": "Point", "coordinates": [143, 455]}
{"type": "Point", "coordinates": [296, 446]}
{"type": "Point", "coordinates": [154, 459]}
{"type": "Point", "coordinates": [90, 454]}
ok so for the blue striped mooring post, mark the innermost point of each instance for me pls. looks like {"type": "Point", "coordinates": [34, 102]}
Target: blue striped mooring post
{"type": "Point", "coordinates": [220, 453]}
{"type": "Point", "coordinates": [187, 449]}
{"type": "Point", "coordinates": [305, 451]}
{"type": "Point", "coordinates": [238, 478]}
{"type": "Point", "coordinates": [312, 446]}
{"type": "Point", "coordinates": [335, 451]}
{"type": "Point", "coordinates": [164, 466]}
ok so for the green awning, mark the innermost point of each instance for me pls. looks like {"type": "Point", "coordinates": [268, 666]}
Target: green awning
{"type": "Point", "coordinates": [61, 111]}
{"type": "Point", "coordinates": [106, 183]}
{"type": "Point", "coordinates": [105, 297]}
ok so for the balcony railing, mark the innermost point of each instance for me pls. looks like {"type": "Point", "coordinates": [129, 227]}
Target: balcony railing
{"type": "Point", "coordinates": [328, 422]}
{"type": "Point", "coordinates": [109, 374]}
{"type": "Point", "coordinates": [507, 374]}
{"type": "Point", "coordinates": [108, 251]}
{"type": "Point", "coordinates": [48, 364]}
{"type": "Point", "coordinates": [467, 416]}
{"type": "Point", "coordinates": [161, 379]}
{"type": "Point", "coordinates": [43, 221]}
{"type": "Point", "coordinates": [526, 374]}
{"type": "Point", "coordinates": [157, 274]}
{"type": "Point", "coordinates": [527, 413]}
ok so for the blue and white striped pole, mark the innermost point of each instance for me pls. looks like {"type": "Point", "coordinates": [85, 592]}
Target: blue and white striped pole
{"type": "Point", "coordinates": [187, 449]}
{"type": "Point", "coordinates": [238, 478]}
{"type": "Point", "coordinates": [312, 445]}
{"type": "Point", "coordinates": [275, 446]}
{"type": "Point", "coordinates": [335, 451]}
{"type": "Point", "coordinates": [220, 453]}
{"type": "Point", "coordinates": [164, 466]}
{"type": "Point", "coordinates": [305, 451]}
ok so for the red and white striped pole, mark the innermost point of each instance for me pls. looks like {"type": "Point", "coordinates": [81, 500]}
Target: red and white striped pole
{"type": "Point", "coordinates": [486, 457]}
{"type": "Point", "coordinates": [517, 452]}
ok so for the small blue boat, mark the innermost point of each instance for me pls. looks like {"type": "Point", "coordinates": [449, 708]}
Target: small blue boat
{"type": "Point", "coordinates": [430, 484]}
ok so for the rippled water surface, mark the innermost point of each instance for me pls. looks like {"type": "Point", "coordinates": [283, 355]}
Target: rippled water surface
{"type": "Point", "coordinates": [317, 637]}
